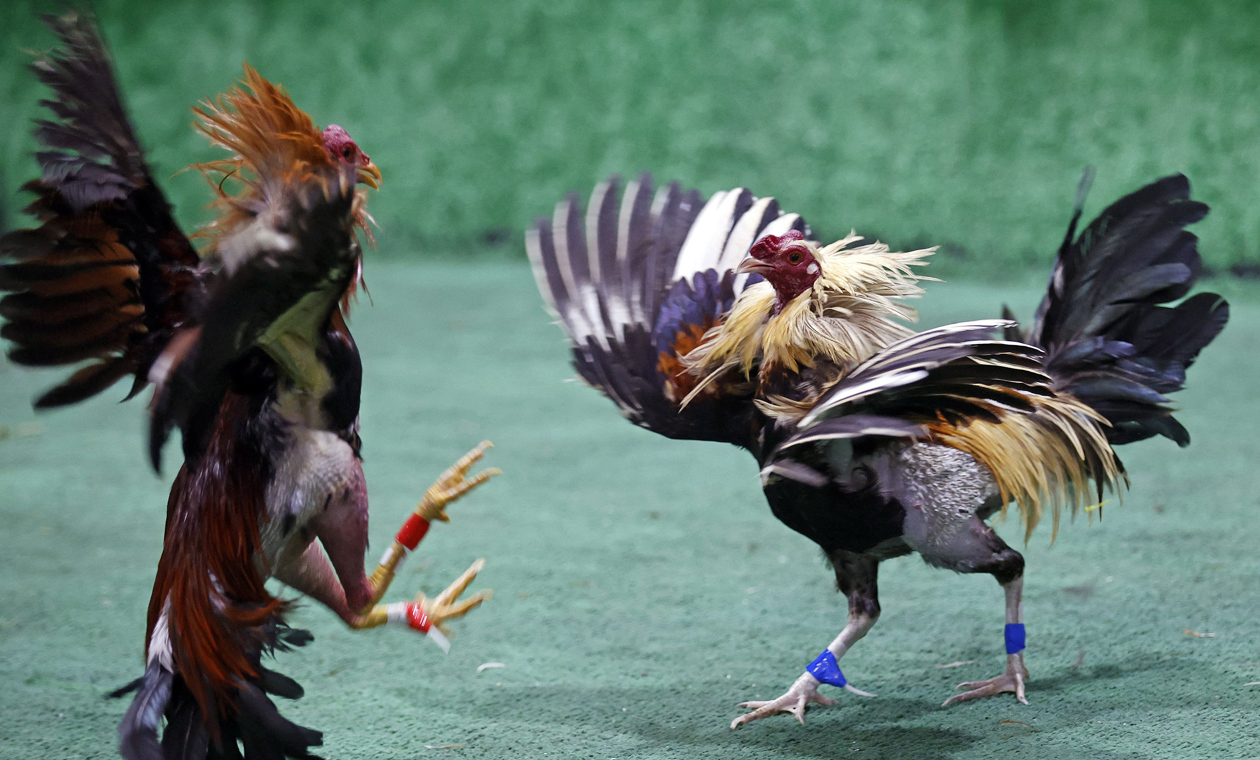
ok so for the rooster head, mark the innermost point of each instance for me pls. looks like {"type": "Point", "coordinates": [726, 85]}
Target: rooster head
{"type": "Point", "coordinates": [786, 262]}
{"type": "Point", "coordinates": [344, 150]}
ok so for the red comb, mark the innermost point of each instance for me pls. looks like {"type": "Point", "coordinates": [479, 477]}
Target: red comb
{"type": "Point", "coordinates": [772, 244]}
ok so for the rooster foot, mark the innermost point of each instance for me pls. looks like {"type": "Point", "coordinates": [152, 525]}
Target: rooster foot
{"type": "Point", "coordinates": [447, 605]}
{"type": "Point", "coordinates": [1010, 682]}
{"type": "Point", "coordinates": [428, 616]}
{"type": "Point", "coordinates": [453, 484]}
{"type": "Point", "coordinates": [795, 700]}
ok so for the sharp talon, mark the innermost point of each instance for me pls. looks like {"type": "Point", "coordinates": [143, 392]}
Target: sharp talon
{"type": "Point", "coordinates": [1010, 682]}
{"type": "Point", "coordinates": [795, 701]}
{"type": "Point", "coordinates": [452, 484]}
{"type": "Point", "coordinates": [485, 475]}
{"type": "Point", "coordinates": [447, 605]}
{"type": "Point", "coordinates": [452, 592]}
{"type": "Point", "coordinates": [467, 460]}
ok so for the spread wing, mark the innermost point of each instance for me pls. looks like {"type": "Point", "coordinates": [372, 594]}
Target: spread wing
{"type": "Point", "coordinates": [284, 275]}
{"type": "Point", "coordinates": [108, 276]}
{"type": "Point", "coordinates": [637, 278]}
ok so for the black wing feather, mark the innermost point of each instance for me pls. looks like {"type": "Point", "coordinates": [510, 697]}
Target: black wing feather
{"type": "Point", "coordinates": [956, 372]}
{"type": "Point", "coordinates": [319, 260]}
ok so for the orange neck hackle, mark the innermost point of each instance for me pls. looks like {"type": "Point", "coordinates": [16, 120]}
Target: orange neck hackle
{"type": "Point", "coordinates": [273, 144]}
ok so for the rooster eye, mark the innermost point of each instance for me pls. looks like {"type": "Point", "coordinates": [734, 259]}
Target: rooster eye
{"type": "Point", "coordinates": [346, 152]}
{"type": "Point", "coordinates": [795, 258]}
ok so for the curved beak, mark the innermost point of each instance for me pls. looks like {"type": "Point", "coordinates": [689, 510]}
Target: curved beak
{"type": "Point", "coordinates": [370, 176]}
{"type": "Point", "coordinates": [754, 266]}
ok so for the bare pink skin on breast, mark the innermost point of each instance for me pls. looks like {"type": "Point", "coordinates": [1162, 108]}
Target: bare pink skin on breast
{"type": "Point", "coordinates": [336, 579]}
{"type": "Point", "coordinates": [343, 530]}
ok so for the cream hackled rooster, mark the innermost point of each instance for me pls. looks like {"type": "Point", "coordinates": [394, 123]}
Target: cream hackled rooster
{"type": "Point", "coordinates": [722, 321]}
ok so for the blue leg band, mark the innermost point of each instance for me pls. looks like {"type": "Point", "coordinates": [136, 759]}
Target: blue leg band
{"type": "Point", "coordinates": [1014, 638]}
{"type": "Point", "coordinates": [826, 670]}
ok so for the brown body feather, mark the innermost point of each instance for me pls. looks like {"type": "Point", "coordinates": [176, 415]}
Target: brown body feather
{"type": "Point", "coordinates": [679, 381]}
{"type": "Point", "coordinates": [208, 581]}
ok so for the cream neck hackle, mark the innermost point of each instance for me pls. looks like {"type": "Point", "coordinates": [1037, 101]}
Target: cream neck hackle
{"type": "Point", "coordinates": [847, 316]}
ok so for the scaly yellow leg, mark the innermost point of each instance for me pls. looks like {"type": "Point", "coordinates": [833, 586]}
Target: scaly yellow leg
{"type": "Point", "coordinates": [423, 614]}
{"type": "Point", "coordinates": [449, 486]}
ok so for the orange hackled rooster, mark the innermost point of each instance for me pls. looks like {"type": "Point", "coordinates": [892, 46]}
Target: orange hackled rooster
{"type": "Point", "coordinates": [722, 321]}
{"type": "Point", "coordinates": [248, 348]}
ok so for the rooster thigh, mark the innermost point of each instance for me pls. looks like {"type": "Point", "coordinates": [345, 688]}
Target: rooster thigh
{"type": "Point", "coordinates": [318, 490]}
{"type": "Point", "coordinates": [947, 494]}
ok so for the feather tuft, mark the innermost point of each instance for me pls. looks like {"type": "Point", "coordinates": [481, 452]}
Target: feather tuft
{"type": "Point", "coordinates": [1110, 340]}
{"type": "Point", "coordinates": [275, 146]}
{"type": "Point", "coordinates": [851, 313]}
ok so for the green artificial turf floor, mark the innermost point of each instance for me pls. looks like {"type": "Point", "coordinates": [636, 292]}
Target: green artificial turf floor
{"type": "Point", "coordinates": [642, 586]}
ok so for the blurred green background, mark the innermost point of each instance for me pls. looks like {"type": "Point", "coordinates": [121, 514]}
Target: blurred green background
{"type": "Point", "coordinates": [963, 124]}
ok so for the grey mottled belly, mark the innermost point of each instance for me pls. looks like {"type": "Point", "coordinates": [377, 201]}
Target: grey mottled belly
{"type": "Point", "coordinates": [942, 489]}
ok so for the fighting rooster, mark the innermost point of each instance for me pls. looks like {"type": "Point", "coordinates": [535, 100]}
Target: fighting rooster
{"type": "Point", "coordinates": [251, 357]}
{"type": "Point", "coordinates": [722, 321]}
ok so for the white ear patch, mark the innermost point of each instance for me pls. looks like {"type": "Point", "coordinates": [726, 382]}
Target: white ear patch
{"type": "Point", "coordinates": [813, 268]}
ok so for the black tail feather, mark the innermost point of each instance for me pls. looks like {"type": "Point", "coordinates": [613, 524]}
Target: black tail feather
{"type": "Point", "coordinates": [185, 736]}
{"type": "Point", "coordinates": [1109, 339]}
{"type": "Point", "coordinates": [279, 684]}
{"type": "Point", "coordinates": [138, 732]}
{"type": "Point", "coordinates": [252, 724]}
{"type": "Point", "coordinates": [123, 691]}
{"type": "Point", "coordinates": [265, 732]}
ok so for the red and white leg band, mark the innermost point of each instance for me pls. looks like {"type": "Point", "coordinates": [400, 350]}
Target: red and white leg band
{"type": "Point", "coordinates": [409, 536]}
{"type": "Point", "coordinates": [412, 531]}
{"type": "Point", "coordinates": [412, 615]}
